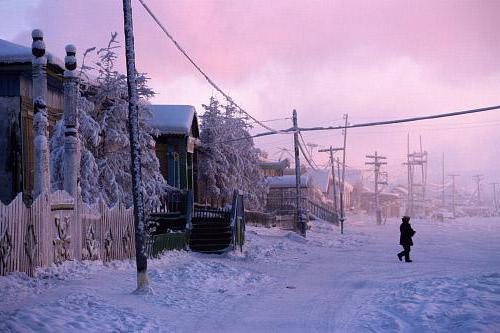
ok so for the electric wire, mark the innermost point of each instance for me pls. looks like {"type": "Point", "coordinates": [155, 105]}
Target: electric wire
{"type": "Point", "coordinates": [377, 123]}
{"type": "Point", "coordinates": [305, 156]}
{"type": "Point", "coordinates": [198, 68]}
{"type": "Point", "coordinates": [303, 153]}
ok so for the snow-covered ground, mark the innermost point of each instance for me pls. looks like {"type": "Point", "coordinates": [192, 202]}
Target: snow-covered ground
{"type": "Point", "coordinates": [281, 283]}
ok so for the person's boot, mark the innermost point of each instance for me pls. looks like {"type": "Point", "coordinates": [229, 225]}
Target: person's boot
{"type": "Point", "coordinates": [407, 259]}
{"type": "Point", "coordinates": [400, 257]}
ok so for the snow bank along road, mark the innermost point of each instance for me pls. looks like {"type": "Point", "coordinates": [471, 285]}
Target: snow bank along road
{"type": "Point", "coordinates": [281, 283]}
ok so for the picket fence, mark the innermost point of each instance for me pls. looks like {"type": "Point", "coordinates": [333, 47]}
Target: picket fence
{"type": "Point", "coordinates": [56, 228]}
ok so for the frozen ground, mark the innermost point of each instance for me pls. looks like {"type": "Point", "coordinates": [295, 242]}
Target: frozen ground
{"type": "Point", "coordinates": [281, 283]}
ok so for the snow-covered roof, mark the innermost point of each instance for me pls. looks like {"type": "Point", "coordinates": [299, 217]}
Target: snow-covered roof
{"type": "Point", "coordinates": [319, 178]}
{"type": "Point", "coordinates": [279, 165]}
{"type": "Point", "coordinates": [173, 119]}
{"type": "Point", "coordinates": [285, 181]}
{"type": "Point", "coordinates": [11, 53]}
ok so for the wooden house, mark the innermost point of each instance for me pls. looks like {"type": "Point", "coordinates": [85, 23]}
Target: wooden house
{"type": "Point", "coordinates": [16, 115]}
{"type": "Point", "coordinates": [273, 168]}
{"type": "Point", "coordinates": [322, 181]}
{"type": "Point", "coordinates": [177, 137]}
{"type": "Point", "coordinates": [390, 203]}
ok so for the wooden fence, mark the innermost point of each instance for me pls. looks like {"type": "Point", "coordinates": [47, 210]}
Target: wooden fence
{"type": "Point", "coordinates": [56, 228]}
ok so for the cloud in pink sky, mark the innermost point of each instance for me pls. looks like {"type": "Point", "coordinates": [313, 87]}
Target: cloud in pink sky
{"type": "Point", "coordinates": [371, 59]}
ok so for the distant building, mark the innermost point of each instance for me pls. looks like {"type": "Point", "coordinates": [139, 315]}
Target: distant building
{"type": "Point", "coordinates": [322, 180]}
{"type": "Point", "coordinates": [281, 197]}
{"type": "Point", "coordinates": [16, 115]}
{"type": "Point", "coordinates": [390, 203]}
{"type": "Point", "coordinates": [274, 168]}
{"type": "Point", "coordinates": [176, 144]}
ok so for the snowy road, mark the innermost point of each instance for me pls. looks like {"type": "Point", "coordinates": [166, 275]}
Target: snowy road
{"type": "Point", "coordinates": [282, 283]}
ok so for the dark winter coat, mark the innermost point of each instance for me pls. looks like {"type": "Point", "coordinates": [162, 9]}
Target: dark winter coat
{"type": "Point", "coordinates": [406, 234]}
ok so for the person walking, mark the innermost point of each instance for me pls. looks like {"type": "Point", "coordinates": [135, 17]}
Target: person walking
{"type": "Point", "coordinates": [405, 239]}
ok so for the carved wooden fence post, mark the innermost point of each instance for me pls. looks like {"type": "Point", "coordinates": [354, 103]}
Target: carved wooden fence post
{"type": "Point", "coordinates": [40, 142]}
{"type": "Point", "coordinates": [71, 140]}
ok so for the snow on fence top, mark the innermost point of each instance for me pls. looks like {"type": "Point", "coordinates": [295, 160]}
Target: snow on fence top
{"type": "Point", "coordinates": [172, 119]}
{"type": "Point", "coordinates": [286, 181]}
{"type": "Point", "coordinates": [11, 53]}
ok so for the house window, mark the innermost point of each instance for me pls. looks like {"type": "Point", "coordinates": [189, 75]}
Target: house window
{"type": "Point", "coordinates": [173, 168]}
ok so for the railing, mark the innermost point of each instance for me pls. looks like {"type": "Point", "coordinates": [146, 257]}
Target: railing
{"type": "Point", "coordinates": [285, 204]}
{"type": "Point", "coordinates": [320, 211]}
{"type": "Point", "coordinates": [172, 223]}
{"type": "Point", "coordinates": [172, 201]}
{"type": "Point", "coordinates": [205, 214]}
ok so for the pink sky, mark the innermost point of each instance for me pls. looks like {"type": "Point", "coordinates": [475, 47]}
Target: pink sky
{"type": "Point", "coordinates": [371, 59]}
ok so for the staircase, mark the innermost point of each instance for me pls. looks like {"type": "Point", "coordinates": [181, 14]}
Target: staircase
{"type": "Point", "coordinates": [205, 229]}
{"type": "Point", "coordinates": [211, 231]}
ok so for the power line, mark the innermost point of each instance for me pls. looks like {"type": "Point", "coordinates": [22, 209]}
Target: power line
{"type": "Point", "coordinates": [404, 120]}
{"type": "Point", "coordinates": [377, 123]}
{"type": "Point", "coordinates": [198, 68]}
{"type": "Point", "coordinates": [302, 148]}
{"type": "Point", "coordinates": [276, 119]}
{"type": "Point", "coordinates": [307, 158]}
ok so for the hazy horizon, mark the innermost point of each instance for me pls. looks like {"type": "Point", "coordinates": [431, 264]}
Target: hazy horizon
{"type": "Point", "coordinates": [390, 59]}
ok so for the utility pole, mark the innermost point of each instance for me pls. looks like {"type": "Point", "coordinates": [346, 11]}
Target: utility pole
{"type": "Point", "coordinates": [377, 163]}
{"type": "Point", "coordinates": [135, 152]}
{"type": "Point", "coordinates": [339, 176]}
{"type": "Point", "coordinates": [300, 223]}
{"type": "Point", "coordinates": [311, 147]}
{"type": "Point", "coordinates": [342, 214]}
{"type": "Point", "coordinates": [443, 193]}
{"type": "Point", "coordinates": [332, 150]}
{"type": "Point", "coordinates": [453, 193]}
{"type": "Point", "coordinates": [478, 179]}
{"type": "Point", "coordinates": [495, 203]}
{"type": "Point", "coordinates": [416, 190]}
{"type": "Point", "coordinates": [409, 205]}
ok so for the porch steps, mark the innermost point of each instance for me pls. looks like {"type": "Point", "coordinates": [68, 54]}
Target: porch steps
{"type": "Point", "coordinates": [210, 237]}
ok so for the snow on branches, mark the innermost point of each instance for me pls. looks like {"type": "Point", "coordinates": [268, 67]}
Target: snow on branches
{"type": "Point", "coordinates": [227, 165]}
{"type": "Point", "coordinates": [103, 133]}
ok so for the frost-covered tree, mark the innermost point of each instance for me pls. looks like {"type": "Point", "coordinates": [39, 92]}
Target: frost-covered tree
{"type": "Point", "coordinates": [226, 165]}
{"type": "Point", "coordinates": [104, 138]}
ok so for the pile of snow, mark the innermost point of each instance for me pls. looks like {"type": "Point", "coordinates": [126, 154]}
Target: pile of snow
{"type": "Point", "coordinates": [281, 283]}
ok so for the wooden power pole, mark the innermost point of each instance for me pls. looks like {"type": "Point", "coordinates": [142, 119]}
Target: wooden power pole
{"type": "Point", "coordinates": [478, 179]}
{"type": "Point", "coordinates": [453, 193]}
{"type": "Point", "coordinates": [377, 163]}
{"type": "Point", "coordinates": [332, 150]}
{"type": "Point", "coordinates": [495, 202]}
{"type": "Point", "coordinates": [135, 152]}
{"type": "Point", "coordinates": [342, 187]}
{"type": "Point", "coordinates": [300, 224]}
{"type": "Point", "coordinates": [443, 196]}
